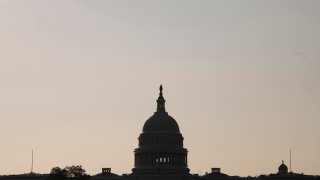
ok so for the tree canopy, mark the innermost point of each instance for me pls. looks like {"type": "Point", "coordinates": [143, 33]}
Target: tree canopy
{"type": "Point", "coordinates": [69, 172]}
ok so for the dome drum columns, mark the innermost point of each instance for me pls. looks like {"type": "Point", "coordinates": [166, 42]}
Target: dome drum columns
{"type": "Point", "coordinates": [165, 159]}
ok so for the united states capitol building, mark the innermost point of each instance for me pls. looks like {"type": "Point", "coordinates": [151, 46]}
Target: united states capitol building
{"type": "Point", "coordinates": [160, 155]}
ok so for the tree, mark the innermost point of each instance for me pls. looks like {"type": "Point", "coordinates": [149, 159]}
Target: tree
{"type": "Point", "coordinates": [75, 171]}
{"type": "Point", "coordinates": [58, 173]}
{"type": "Point", "coordinates": [69, 172]}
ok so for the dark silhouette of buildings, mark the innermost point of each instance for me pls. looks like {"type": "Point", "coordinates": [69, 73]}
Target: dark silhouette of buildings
{"type": "Point", "coordinates": [160, 153]}
{"type": "Point", "coordinates": [161, 156]}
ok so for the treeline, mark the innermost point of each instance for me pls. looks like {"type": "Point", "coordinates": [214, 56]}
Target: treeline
{"type": "Point", "coordinates": [69, 172]}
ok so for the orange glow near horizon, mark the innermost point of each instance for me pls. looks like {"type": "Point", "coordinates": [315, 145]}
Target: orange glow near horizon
{"type": "Point", "coordinates": [80, 78]}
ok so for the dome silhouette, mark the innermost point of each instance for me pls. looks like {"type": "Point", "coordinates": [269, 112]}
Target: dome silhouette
{"type": "Point", "coordinates": [161, 148]}
{"type": "Point", "coordinates": [161, 121]}
{"type": "Point", "coordinates": [283, 169]}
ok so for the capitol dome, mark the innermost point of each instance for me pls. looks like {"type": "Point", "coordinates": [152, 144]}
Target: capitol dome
{"type": "Point", "coordinates": [160, 121]}
{"type": "Point", "coordinates": [160, 145]}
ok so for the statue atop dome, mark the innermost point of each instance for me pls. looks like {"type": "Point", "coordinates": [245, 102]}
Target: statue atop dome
{"type": "Point", "coordinates": [161, 101]}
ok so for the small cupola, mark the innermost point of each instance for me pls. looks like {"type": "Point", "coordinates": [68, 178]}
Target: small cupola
{"type": "Point", "coordinates": [283, 169]}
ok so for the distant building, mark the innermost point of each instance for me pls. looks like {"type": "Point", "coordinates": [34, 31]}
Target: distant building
{"type": "Point", "coordinates": [161, 154]}
{"type": "Point", "coordinates": [217, 175]}
{"type": "Point", "coordinates": [283, 169]}
{"type": "Point", "coordinates": [283, 174]}
{"type": "Point", "coordinates": [106, 174]}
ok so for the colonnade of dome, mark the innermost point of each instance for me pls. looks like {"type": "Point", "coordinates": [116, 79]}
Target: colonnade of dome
{"type": "Point", "coordinates": [160, 158]}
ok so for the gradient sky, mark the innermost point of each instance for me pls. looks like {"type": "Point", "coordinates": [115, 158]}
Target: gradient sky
{"type": "Point", "coordinates": [78, 79]}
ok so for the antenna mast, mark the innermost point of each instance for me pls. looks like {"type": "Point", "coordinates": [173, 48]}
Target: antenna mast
{"type": "Point", "coordinates": [32, 162]}
{"type": "Point", "coordinates": [290, 161]}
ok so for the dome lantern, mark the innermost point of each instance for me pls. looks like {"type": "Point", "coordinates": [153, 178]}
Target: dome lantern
{"type": "Point", "coordinates": [161, 101]}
